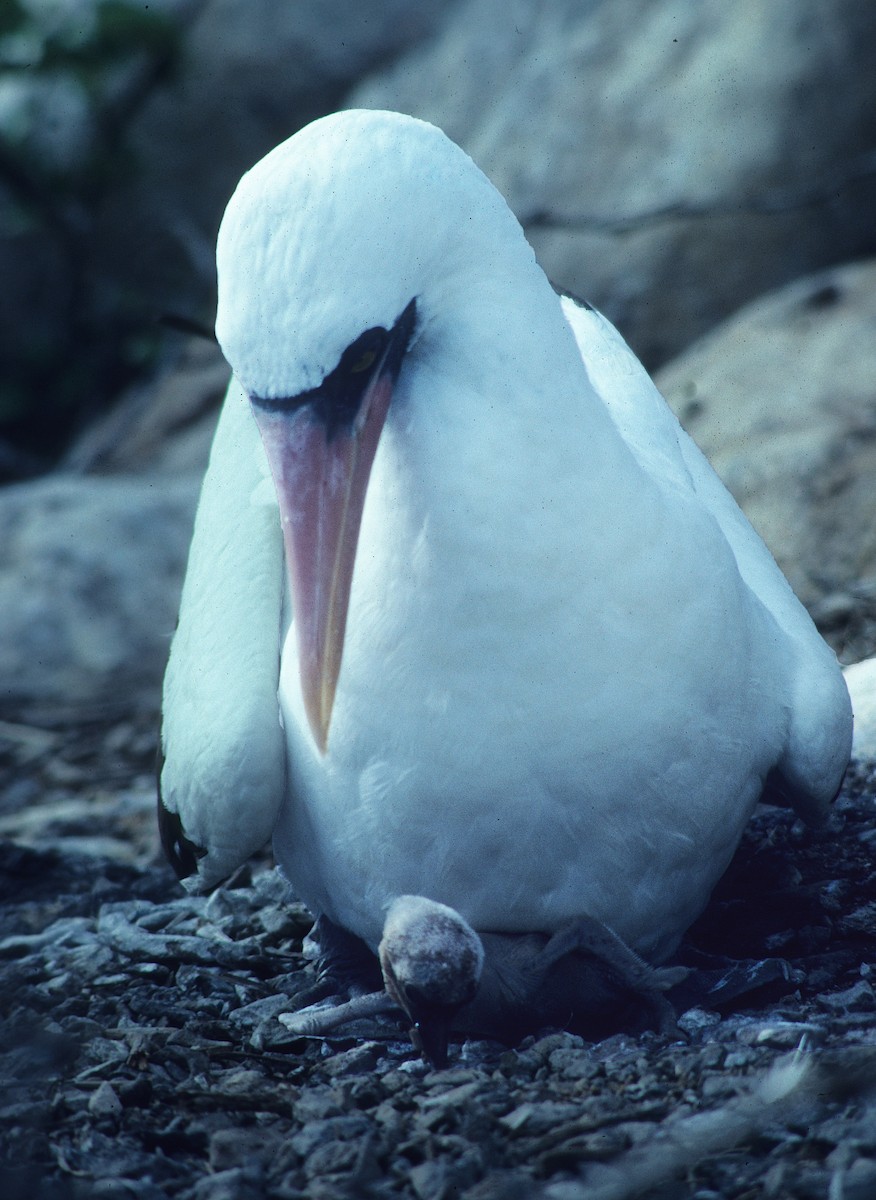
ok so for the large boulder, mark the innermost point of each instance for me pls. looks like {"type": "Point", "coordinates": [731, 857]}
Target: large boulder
{"type": "Point", "coordinates": [670, 161]}
{"type": "Point", "coordinates": [92, 564]}
{"type": "Point", "coordinates": [782, 399]}
{"type": "Point", "coordinates": [89, 589]}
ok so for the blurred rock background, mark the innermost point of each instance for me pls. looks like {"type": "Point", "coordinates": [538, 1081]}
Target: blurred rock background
{"type": "Point", "coordinates": [705, 174]}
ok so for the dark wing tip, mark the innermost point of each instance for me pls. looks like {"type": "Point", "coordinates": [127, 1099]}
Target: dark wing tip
{"type": "Point", "coordinates": [182, 854]}
{"type": "Point", "coordinates": [579, 300]}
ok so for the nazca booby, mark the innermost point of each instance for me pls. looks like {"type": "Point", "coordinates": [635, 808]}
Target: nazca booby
{"type": "Point", "coordinates": [564, 669]}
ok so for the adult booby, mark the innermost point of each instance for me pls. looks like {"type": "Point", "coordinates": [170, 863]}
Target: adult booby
{"type": "Point", "coordinates": [564, 668]}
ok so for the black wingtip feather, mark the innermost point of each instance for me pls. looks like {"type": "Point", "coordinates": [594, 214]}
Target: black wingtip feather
{"type": "Point", "coordinates": [579, 300]}
{"type": "Point", "coordinates": [182, 854]}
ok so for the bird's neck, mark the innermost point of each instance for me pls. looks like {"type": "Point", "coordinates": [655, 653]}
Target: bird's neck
{"type": "Point", "coordinates": [499, 458]}
{"type": "Point", "coordinates": [499, 408]}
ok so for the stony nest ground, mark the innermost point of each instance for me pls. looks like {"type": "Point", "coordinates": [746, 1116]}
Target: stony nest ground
{"type": "Point", "coordinates": [141, 1054]}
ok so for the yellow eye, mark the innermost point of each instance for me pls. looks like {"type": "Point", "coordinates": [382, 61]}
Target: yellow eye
{"type": "Point", "coordinates": [363, 362]}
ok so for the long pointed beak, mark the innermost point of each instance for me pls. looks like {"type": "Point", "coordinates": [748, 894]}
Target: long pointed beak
{"type": "Point", "coordinates": [321, 447]}
{"type": "Point", "coordinates": [321, 483]}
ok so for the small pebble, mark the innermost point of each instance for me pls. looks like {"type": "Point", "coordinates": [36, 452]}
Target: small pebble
{"type": "Point", "coordinates": [105, 1102]}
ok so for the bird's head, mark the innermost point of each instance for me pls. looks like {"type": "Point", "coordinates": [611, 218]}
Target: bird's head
{"type": "Point", "coordinates": [431, 960]}
{"type": "Point", "coordinates": [339, 256]}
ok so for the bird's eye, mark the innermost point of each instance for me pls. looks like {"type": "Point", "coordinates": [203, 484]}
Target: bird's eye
{"type": "Point", "coordinates": [363, 362]}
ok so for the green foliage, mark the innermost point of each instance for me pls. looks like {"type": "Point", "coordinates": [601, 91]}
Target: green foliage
{"type": "Point", "coordinates": [71, 36]}
{"type": "Point", "coordinates": [12, 16]}
{"type": "Point", "coordinates": [72, 78]}
{"type": "Point", "coordinates": [119, 31]}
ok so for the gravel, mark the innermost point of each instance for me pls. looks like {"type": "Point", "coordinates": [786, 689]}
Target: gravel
{"type": "Point", "coordinates": [141, 1055]}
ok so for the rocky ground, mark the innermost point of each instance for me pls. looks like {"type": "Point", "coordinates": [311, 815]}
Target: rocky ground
{"type": "Point", "coordinates": [141, 1055]}
{"type": "Point", "coordinates": [140, 1051]}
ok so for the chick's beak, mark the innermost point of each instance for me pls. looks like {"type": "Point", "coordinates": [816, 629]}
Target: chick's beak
{"type": "Point", "coordinates": [430, 1034]}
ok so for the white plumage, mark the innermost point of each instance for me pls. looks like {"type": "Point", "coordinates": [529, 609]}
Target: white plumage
{"type": "Point", "coordinates": [570, 666]}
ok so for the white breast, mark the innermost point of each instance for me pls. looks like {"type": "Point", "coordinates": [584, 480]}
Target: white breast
{"type": "Point", "coordinates": [555, 696]}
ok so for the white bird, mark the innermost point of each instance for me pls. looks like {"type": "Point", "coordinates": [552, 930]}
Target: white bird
{"type": "Point", "coordinates": [528, 658]}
